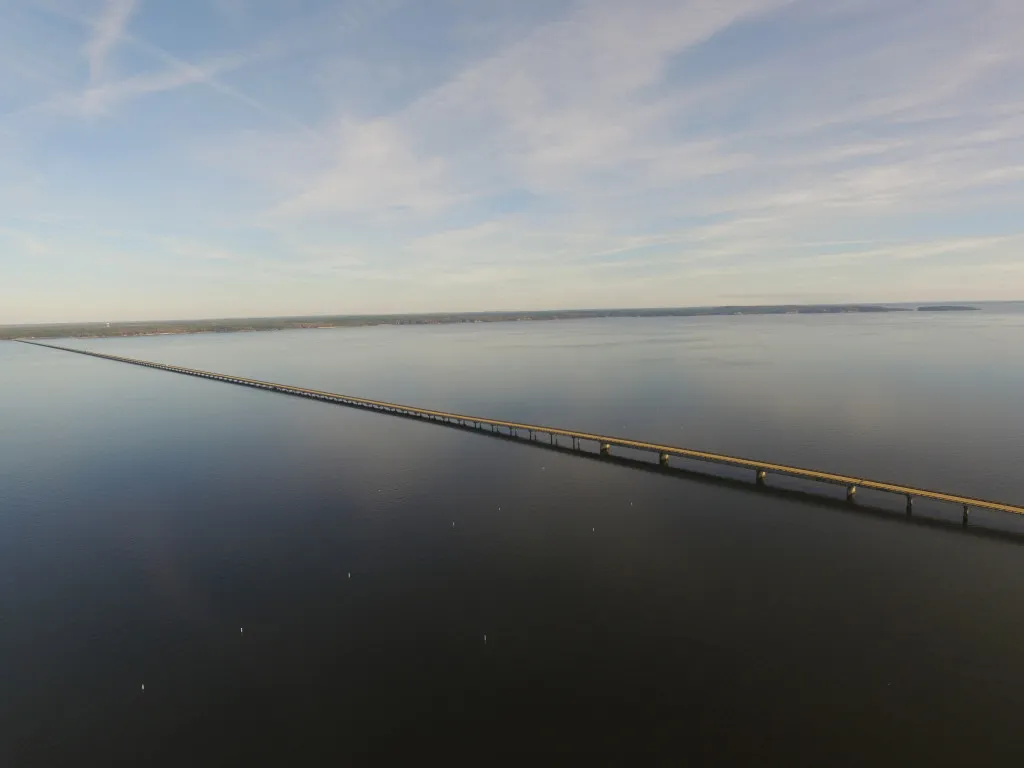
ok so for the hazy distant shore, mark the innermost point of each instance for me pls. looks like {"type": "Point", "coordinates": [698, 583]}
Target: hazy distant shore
{"type": "Point", "coordinates": [239, 325]}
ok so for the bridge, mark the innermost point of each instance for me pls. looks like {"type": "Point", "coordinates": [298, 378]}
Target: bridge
{"type": "Point", "coordinates": [602, 444]}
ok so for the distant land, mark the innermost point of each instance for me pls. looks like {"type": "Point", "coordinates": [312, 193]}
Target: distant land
{"type": "Point", "coordinates": [235, 325]}
{"type": "Point", "coordinates": [946, 308]}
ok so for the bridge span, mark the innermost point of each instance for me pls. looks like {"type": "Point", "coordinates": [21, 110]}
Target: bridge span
{"type": "Point", "coordinates": [603, 444]}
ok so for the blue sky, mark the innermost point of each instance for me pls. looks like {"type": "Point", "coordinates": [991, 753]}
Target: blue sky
{"type": "Point", "coordinates": [213, 158]}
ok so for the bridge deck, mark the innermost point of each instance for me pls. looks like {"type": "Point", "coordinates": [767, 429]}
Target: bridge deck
{"type": "Point", "coordinates": [850, 481]}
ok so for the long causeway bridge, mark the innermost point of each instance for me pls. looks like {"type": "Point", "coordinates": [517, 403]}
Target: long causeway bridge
{"type": "Point", "coordinates": [602, 443]}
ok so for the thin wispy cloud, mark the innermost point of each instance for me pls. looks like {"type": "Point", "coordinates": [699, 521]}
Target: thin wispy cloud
{"type": "Point", "coordinates": [107, 31]}
{"type": "Point", "coordinates": [397, 156]}
{"type": "Point", "coordinates": [100, 99]}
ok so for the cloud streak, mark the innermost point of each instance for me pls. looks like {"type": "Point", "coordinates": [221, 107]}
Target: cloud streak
{"type": "Point", "coordinates": [101, 99]}
{"type": "Point", "coordinates": [108, 29]}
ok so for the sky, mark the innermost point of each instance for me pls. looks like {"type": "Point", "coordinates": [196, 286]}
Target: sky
{"type": "Point", "coordinates": [224, 158]}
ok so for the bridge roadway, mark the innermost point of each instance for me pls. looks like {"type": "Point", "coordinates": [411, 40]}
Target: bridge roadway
{"type": "Point", "coordinates": [604, 442]}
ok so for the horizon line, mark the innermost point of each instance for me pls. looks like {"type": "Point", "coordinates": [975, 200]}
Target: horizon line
{"type": "Point", "coordinates": [441, 313]}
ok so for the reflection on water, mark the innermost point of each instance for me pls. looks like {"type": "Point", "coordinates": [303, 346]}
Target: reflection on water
{"type": "Point", "coordinates": [145, 518]}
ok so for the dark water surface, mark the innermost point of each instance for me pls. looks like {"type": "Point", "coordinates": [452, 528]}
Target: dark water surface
{"type": "Point", "coordinates": [630, 617]}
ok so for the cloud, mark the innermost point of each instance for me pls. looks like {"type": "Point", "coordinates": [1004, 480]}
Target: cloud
{"type": "Point", "coordinates": [107, 31]}
{"type": "Point", "coordinates": [544, 113]}
{"type": "Point", "coordinates": [104, 92]}
{"type": "Point", "coordinates": [27, 243]}
{"type": "Point", "coordinates": [100, 99]}
{"type": "Point", "coordinates": [578, 110]}
{"type": "Point", "coordinates": [188, 73]}
{"type": "Point", "coordinates": [375, 171]}
{"type": "Point", "coordinates": [234, 10]}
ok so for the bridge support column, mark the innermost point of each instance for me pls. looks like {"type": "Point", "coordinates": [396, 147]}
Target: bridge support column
{"type": "Point", "coordinates": [910, 505]}
{"type": "Point", "coordinates": [760, 476]}
{"type": "Point", "coordinates": [663, 459]}
{"type": "Point", "coordinates": [966, 515]}
{"type": "Point", "coordinates": [606, 449]}
{"type": "Point", "coordinates": [851, 492]}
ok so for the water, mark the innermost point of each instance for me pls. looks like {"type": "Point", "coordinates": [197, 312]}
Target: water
{"type": "Point", "coordinates": [145, 518]}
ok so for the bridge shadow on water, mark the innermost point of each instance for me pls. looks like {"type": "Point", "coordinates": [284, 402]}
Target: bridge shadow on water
{"type": "Point", "coordinates": [710, 478]}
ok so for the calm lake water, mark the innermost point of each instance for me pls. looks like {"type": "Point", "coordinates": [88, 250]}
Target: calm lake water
{"type": "Point", "coordinates": [408, 590]}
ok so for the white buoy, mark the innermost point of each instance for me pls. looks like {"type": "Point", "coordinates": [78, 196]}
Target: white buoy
{"type": "Point", "coordinates": [350, 574]}
{"type": "Point", "coordinates": [241, 630]}
{"type": "Point", "coordinates": [143, 686]}
{"type": "Point", "coordinates": [594, 529]}
{"type": "Point", "coordinates": [485, 639]}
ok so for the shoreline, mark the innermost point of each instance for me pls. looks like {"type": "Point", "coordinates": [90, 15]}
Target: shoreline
{"type": "Point", "coordinates": [250, 325]}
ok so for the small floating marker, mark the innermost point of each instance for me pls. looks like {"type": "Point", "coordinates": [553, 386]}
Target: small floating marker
{"type": "Point", "coordinates": [143, 686]}
{"type": "Point", "coordinates": [485, 639]}
{"type": "Point", "coordinates": [241, 630]}
{"type": "Point", "coordinates": [594, 530]}
{"type": "Point", "coordinates": [350, 574]}
{"type": "Point", "coordinates": [453, 523]}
